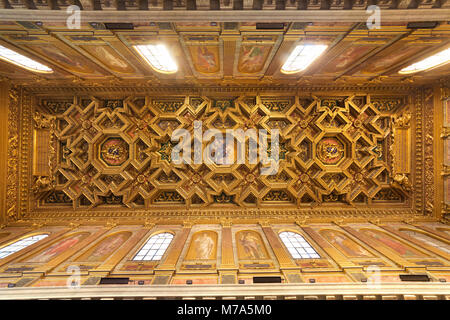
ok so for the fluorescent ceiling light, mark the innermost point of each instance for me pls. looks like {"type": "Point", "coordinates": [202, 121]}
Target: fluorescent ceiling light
{"type": "Point", "coordinates": [302, 56]}
{"type": "Point", "coordinates": [22, 61]}
{"type": "Point", "coordinates": [158, 57]}
{"type": "Point", "coordinates": [435, 60]}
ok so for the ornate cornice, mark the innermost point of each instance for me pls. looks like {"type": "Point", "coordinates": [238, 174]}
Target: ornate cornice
{"type": "Point", "coordinates": [143, 88]}
{"type": "Point", "coordinates": [224, 213]}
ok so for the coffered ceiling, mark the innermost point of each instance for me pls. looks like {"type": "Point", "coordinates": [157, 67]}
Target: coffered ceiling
{"type": "Point", "coordinates": [117, 153]}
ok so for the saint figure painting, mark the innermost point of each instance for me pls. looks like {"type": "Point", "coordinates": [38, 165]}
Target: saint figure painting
{"type": "Point", "coordinates": [203, 246]}
{"type": "Point", "coordinates": [250, 246]}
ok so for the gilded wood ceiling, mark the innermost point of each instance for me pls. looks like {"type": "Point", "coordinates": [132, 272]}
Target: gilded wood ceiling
{"type": "Point", "coordinates": [116, 152]}
{"type": "Point", "coordinates": [225, 53]}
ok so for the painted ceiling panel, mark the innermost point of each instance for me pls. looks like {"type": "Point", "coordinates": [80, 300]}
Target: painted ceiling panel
{"type": "Point", "coordinates": [109, 57]}
{"type": "Point", "coordinates": [348, 53]}
{"type": "Point", "coordinates": [253, 57]}
{"type": "Point", "coordinates": [229, 51]}
{"type": "Point", "coordinates": [205, 58]}
{"type": "Point", "coordinates": [204, 54]}
{"type": "Point", "coordinates": [400, 52]}
{"type": "Point", "coordinates": [9, 70]}
{"type": "Point", "coordinates": [254, 54]}
{"type": "Point", "coordinates": [57, 53]}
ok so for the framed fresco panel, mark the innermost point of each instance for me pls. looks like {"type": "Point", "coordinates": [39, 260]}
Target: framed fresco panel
{"type": "Point", "coordinates": [345, 245]}
{"type": "Point", "coordinates": [205, 58]}
{"type": "Point", "coordinates": [250, 246]}
{"type": "Point", "coordinates": [58, 247]}
{"type": "Point", "coordinates": [393, 244]}
{"type": "Point", "coordinates": [427, 239]}
{"type": "Point", "coordinates": [105, 247]}
{"type": "Point", "coordinates": [203, 246]}
{"type": "Point", "coordinates": [253, 57]}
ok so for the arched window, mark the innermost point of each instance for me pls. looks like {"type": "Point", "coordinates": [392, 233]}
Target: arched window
{"type": "Point", "coordinates": [155, 247]}
{"type": "Point", "coordinates": [298, 247]}
{"type": "Point", "coordinates": [20, 244]}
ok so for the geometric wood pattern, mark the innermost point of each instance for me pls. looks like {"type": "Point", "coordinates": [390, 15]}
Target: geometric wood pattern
{"type": "Point", "coordinates": [333, 150]}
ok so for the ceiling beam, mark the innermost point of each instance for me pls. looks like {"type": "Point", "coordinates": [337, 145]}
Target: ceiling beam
{"type": "Point", "coordinates": [30, 4]}
{"type": "Point", "coordinates": [54, 4]}
{"type": "Point", "coordinates": [96, 4]}
{"type": "Point", "coordinates": [280, 4]}
{"type": "Point", "coordinates": [325, 4]}
{"type": "Point", "coordinates": [258, 4]}
{"type": "Point", "coordinates": [214, 4]}
{"type": "Point", "coordinates": [403, 15]}
{"type": "Point", "coordinates": [86, 4]}
{"type": "Point", "coordinates": [191, 5]}
{"type": "Point", "coordinates": [143, 4]}
{"type": "Point", "coordinates": [167, 5]}
{"type": "Point", "coordinates": [120, 4]}
{"type": "Point", "coordinates": [238, 4]}
{"type": "Point", "coordinates": [5, 4]}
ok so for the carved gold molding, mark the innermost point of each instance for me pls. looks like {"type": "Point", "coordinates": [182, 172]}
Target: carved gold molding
{"type": "Point", "coordinates": [423, 189]}
{"type": "Point", "coordinates": [143, 87]}
{"type": "Point", "coordinates": [13, 154]}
